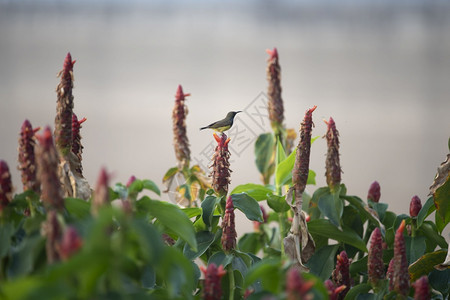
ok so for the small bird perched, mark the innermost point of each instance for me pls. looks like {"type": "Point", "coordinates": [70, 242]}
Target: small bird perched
{"type": "Point", "coordinates": [223, 125]}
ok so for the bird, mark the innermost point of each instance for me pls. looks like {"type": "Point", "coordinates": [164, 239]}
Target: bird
{"type": "Point", "coordinates": [224, 124]}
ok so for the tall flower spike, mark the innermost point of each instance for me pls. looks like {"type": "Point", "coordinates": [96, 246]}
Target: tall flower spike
{"type": "Point", "coordinates": [296, 286]}
{"type": "Point", "coordinates": [77, 148]}
{"type": "Point", "coordinates": [422, 289]}
{"type": "Point", "coordinates": [390, 275]}
{"type": "Point", "coordinates": [374, 193]}
{"type": "Point", "coordinates": [6, 189]}
{"type": "Point", "coordinates": [64, 107]}
{"type": "Point", "coordinates": [212, 289]}
{"type": "Point", "coordinates": [375, 265]}
{"type": "Point", "coordinates": [27, 159]}
{"type": "Point", "coordinates": [229, 227]}
{"type": "Point", "coordinates": [221, 167]}
{"type": "Point", "coordinates": [47, 161]}
{"type": "Point", "coordinates": [400, 275]}
{"type": "Point", "coordinates": [180, 139]}
{"type": "Point", "coordinates": [276, 109]}
{"type": "Point", "coordinates": [333, 166]}
{"type": "Point", "coordinates": [52, 231]}
{"type": "Point", "coordinates": [415, 206]}
{"type": "Point", "coordinates": [341, 275]}
{"type": "Point", "coordinates": [301, 166]}
{"type": "Point", "coordinates": [101, 194]}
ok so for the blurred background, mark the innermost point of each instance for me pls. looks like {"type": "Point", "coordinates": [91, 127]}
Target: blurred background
{"type": "Point", "coordinates": [381, 69]}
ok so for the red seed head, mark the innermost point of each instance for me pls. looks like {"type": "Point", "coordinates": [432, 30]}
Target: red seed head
{"type": "Point", "coordinates": [375, 265]}
{"type": "Point", "coordinates": [422, 289]}
{"type": "Point", "coordinates": [415, 206]}
{"type": "Point", "coordinates": [341, 275]}
{"type": "Point", "coordinates": [6, 189]}
{"type": "Point", "coordinates": [374, 193]}
{"type": "Point", "coordinates": [229, 227]}
{"type": "Point", "coordinates": [333, 166]}
{"type": "Point", "coordinates": [212, 289]}
{"type": "Point", "coordinates": [400, 267]}
{"type": "Point", "coordinates": [27, 158]}
{"type": "Point", "coordinates": [221, 166]}
{"type": "Point", "coordinates": [296, 286]}
{"type": "Point", "coordinates": [70, 244]}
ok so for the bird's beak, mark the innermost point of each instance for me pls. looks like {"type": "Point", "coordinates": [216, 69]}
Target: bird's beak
{"type": "Point", "coordinates": [239, 111]}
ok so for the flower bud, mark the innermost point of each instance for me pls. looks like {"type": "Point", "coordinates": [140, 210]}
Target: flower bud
{"type": "Point", "coordinates": [212, 289]}
{"type": "Point", "coordinates": [27, 158]}
{"type": "Point", "coordinates": [296, 286]}
{"type": "Point", "coordinates": [400, 267]}
{"type": "Point", "coordinates": [333, 166]}
{"type": "Point", "coordinates": [333, 291]}
{"type": "Point", "coordinates": [375, 265]}
{"type": "Point", "coordinates": [221, 167]}
{"type": "Point", "coordinates": [341, 275]}
{"type": "Point", "coordinates": [415, 206]}
{"type": "Point", "coordinates": [374, 192]}
{"type": "Point", "coordinates": [70, 244]}
{"type": "Point", "coordinates": [6, 189]}
{"type": "Point", "coordinates": [422, 289]}
{"type": "Point", "coordinates": [101, 194]}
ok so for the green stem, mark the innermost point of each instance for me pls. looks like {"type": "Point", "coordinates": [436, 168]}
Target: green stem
{"type": "Point", "coordinates": [413, 227]}
{"type": "Point", "coordinates": [231, 279]}
{"type": "Point", "coordinates": [281, 220]}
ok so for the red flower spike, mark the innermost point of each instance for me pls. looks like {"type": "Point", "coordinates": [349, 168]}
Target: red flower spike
{"type": "Point", "coordinates": [341, 275]}
{"type": "Point", "coordinates": [70, 244]}
{"type": "Point", "coordinates": [390, 275]}
{"type": "Point", "coordinates": [422, 289]}
{"type": "Point", "coordinates": [374, 193]}
{"type": "Point", "coordinates": [333, 291]}
{"type": "Point", "coordinates": [64, 107]}
{"type": "Point", "coordinates": [275, 104]}
{"type": "Point", "coordinates": [301, 166]}
{"type": "Point", "coordinates": [229, 227]}
{"type": "Point", "coordinates": [77, 147]}
{"type": "Point", "coordinates": [180, 139]}
{"type": "Point", "coordinates": [400, 267]}
{"type": "Point", "coordinates": [27, 158]}
{"type": "Point", "coordinates": [415, 206]}
{"type": "Point", "coordinates": [6, 189]}
{"type": "Point", "coordinates": [212, 289]}
{"type": "Point", "coordinates": [101, 194]}
{"type": "Point", "coordinates": [47, 162]}
{"type": "Point", "coordinates": [296, 286]}
{"type": "Point", "coordinates": [333, 166]}
{"type": "Point", "coordinates": [52, 231]}
{"type": "Point", "coordinates": [375, 265]}
{"type": "Point", "coordinates": [131, 180]}
{"type": "Point", "coordinates": [221, 166]}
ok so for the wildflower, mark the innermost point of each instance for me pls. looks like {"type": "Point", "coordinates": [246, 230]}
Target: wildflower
{"type": "Point", "coordinates": [77, 148]}
{"type": "Point", "coordinates": [228, 227]}
{"type": "Point", "coordinates": [422, 289]}
{"type": "Point", "coordinates": [301, 166]}
{"type": "Point", "coordinates": [63, 119]}
{"type": "Point", "coordinates": [276, 109]}
{"type": "Point", "coordinates": [333, 166]}
{"type": "Point", "coordinates": [374, 193]}
{"type": "Point", "coordinates": [71, 243]}
{"type": "Point", "coordinates": [415, 206]}
{"type": "Point", "coordinates": [180, 139]}
{"type": "Point", "coordinates": [375, 265]}
{"type": "Point", "coordinates": [333, 291]}
{"type": "Point", "coordinates": [27, 159]}
{"type": "Point", "coordinates": [47, 161]}
{"type": "Point", "coordinates": [212, 289]}
{"type": "Point", "coordinates": [400, 267]}
{"type": "Point", "coordinates": [52, 231]}
{"type": "Point", "coordinates": [221, 167]}
{"type": "Point", "coordinates": [296, 287]}
{"type": "Point", "coordinates": [101, 194]}
{"type": "Point", "coordinates": [341, 275]}
{"type": "Point", "coordinates": [6, 189]}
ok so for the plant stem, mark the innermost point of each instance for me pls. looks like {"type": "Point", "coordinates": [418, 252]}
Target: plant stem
{"type": "Point", "coordinates": [281, 220]}
{"type": "Point", "coordinates": [231, 280]}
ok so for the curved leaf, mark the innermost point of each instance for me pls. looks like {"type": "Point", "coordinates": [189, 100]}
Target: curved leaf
{"type": "Point", "coordinates": [321, 263]}
{"type": "Point", "coordinates": [248, 206]}
{"type": "Point", "coordinates": [256, 191]}
{"type": "Point", "coordinates": [264, 151]}
{"type": "Point", "coordinates": [426, 263]}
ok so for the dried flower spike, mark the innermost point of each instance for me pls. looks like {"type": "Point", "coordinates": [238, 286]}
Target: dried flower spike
{"type": "Point", "coordinates": [70, 244]}
{"type": "Point", "coordinates": [77, 147]}
{"type": "Point", "coordinates": [212, 289]}
{"type": "Point", "coordinates": [375, 265]}
{"type": "Point", "coordinates": [180, 139]}
{"type": "Point", "coordinates": [415, 206]}
{"type": "Point", "coordinates": [64, 107]}
{"type": "Point", "coordinates": [296, 286]}
{"type": "Point", "coordinates": [6, 189]}
{"type": "Point", "coordinates": [341, 275]}
{"type": "Point", "coordinates": [101, 194]}
{"type": "Point", "coordinates": [229, 227]}
{"type": "Point", "coordinates": [333, 166]}
{"type": "Point", "coordinates": [27, 159]}
{"type": "Point", "coordinates": [422, 289]}
{"type": "Point", "coordinates": [276, 109]}
{"type": "Point", "coordinates": [47, 161]}
{"type": "Point", "coordinates": [221, 167]}
{"type": "Point", "coordinates": [400, 267]}
{"type": "Point", "coordinates": [374, 193]}
{"type": "Point", "coordinates": [301, 166]}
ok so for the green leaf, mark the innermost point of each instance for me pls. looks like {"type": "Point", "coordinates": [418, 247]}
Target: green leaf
{"type": "Point", "coordinates": [268, 272]}
{"type": "Point", "coordinates": [442, 201]}
{"type": "Point", "coordinates": [429, 230]}
{"type": "Point", "coordinates": [321, 263]}
{"type": "Point", "coordinates": [208, 207]}
{"type": "Point", "coordinates": [278, 203]}
{"type": "Point", "coordinates": [248, 206]}
{"type": "Point", "coordinates": [249, 242]}
{"type": "Point", "coordinates": [331, 206]}
{"type": "Point", "coordinates": [360, 205]}
{"type": "Point", "coordinates": [151, 186]}
{"type": "Point", "coordinates": [170, 173]}
{"type": "Point", "coordinates": [192, 211]}
{"type": "Point", "coordinates": [283, 173]}
{"type": "Point", "coordinates": [256, 191]}
{"type": "Point", "coordinates": [425, 211]}
{"type": "Point", "coordinates": [220, 258]}
{"type": "Point", "coordinates": [264, 151]}
{"type": "Point", "coordinates": [326, 229]}
{"type": "Point", "coordinates": [23, 257]}
{"type": "Point", "coordinates": [6, 231]}
{"type": "Point", "coordinates": [357, 290]}
{"type": "Point", "coordinates": [78, 208]}
{"type": "Point", "coordinates": [281, 154]}
{"type": "Point", "coordinates": [359, 266]}
{"type": "Point", "coordinates": [241, 262]}
{"type": "Point", "coordinates": [204, 240]}
{"type": "Point", "coordinates": [379, 207]}
{"type": "Point", "coordinates": [440, 281]}
{"type": "Point", "coordinates": [415, 248]}
{"type": "Point", "coordinates": [426, 263]}
{"type": "Point", "coordinates": [172, 217]}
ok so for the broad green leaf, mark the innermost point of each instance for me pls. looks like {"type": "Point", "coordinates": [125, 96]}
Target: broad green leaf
{"type": "Point", "coordinates": [6, 231]}
{"type": "Point", "coordinates": [440, 280]}
{"type": "Point", "coordinates": [256, 191]}
{"type": "Point", "coordinates": [321, 263]}
{"type": "Point", "coordinates": [326, 229]}
{"type": "Point", "coordinates": [208, 207]}
{"type": "Point", "coordinates": [204, 240]}
{"type": "Point", "coordinates": [331, 207]}
{"type": "Point", "coordinates": [278, 203]}
{"type": "Point", "coordinates": [264, 151]}
{"type": "Point", "coordinates": [283, 174]}
{"type": "Point", "coordinates": [248, 206]}
{"type": "Point", "coordinates": [173, 218]}
{"type": "Point", "coordinates": [192, 211]}
{"type": "Point", "coordinates": [151, 186]}
{"type": "Point", "coordinates": [442, 201]}
{"type": "Point", "coordinates": [78, 208]}
{"type": "Point", "coordinates": [430, 231]}
{"type": "Point", "coordinates": [170, 173]}
{"type": "Point", "coordinates": [362, 208]}
{"type": "Point", "coordinates": [426, 210]}
{"type": "Point", "coordinates": [426, 263]}
{"type": "Point", "coordinates": [250, 242]}
{"type": "Point", "coordinates": [23, 257]}
{"type": "Point", "coordinates": [415, 248]}
{"type": "Point", "coordinates": [357, 290]}
{"type": "Point", "coordinates": [359, 266]}
{"type": "Point", "coordinates": [241, 262]}
{"type": "Point", "coordinates": [268, 272]}
{"type": "Point", "coordinates": [379, 207]}
{"type": "Point", "coordinates": [281, 154]}
{"type": "Point", "coordinates": [220, 258]}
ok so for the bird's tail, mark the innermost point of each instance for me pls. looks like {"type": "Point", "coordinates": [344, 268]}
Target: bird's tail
{"type": "Point", "coordinates": [203, 127]}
